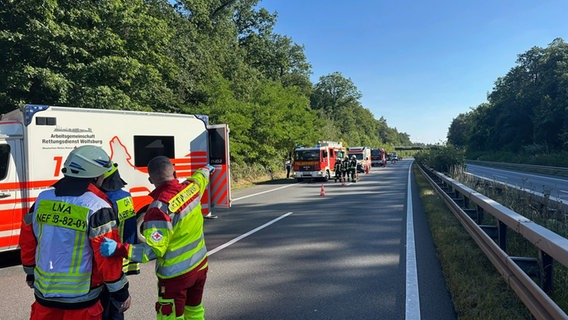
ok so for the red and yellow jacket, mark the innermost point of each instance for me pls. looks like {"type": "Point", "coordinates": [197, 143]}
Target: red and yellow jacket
{"type": "Point", "coordinates": [60, 239]}
{"type": "Point", "coordinates": [173, 228]}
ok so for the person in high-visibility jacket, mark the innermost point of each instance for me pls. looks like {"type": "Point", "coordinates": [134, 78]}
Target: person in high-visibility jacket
{"type": "Point", "coordinates": [173, 228]}
{"type": "Point", "coordinates": [123, 205]}
{"type": "Point", "coordinates": [60, 239]}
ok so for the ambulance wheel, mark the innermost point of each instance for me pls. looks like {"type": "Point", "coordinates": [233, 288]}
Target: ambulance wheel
{"type": "Point", "coordinates": [139, 222]}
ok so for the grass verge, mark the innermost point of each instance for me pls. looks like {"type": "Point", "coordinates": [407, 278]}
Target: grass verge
{"type": "Point", "coordinates": [477, 289]}
{"type": "Point", "coordinates": [251, 180]}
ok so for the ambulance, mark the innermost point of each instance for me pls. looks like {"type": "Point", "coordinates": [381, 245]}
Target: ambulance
{"type": "Point", "coordinates": [36, 139]}
{"type": "Point", "coordinates": [363, 156]}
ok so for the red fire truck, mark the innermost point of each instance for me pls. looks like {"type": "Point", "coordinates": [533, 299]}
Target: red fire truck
{"type": "Point", "coordinates": [317, 163]}
{"type": "Point", "coordinates": [378, 157]}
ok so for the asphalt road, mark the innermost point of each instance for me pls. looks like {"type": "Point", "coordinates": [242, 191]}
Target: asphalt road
{"type": "Point", "coordinates": [284, 251]}
{"type": "Point", "coordinates": [556, 187]}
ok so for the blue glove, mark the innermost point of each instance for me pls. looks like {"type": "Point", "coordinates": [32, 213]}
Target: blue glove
{"type": "Point", "coordinates": [108, 247]}
{"type": "Point", "coordinates": [210, 167]}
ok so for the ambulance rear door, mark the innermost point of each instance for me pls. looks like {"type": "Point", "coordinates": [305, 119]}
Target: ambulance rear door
{"type": "Point", "coordinates": [12, 206]}
{"type": "Point", "coordinates": [219, 158]}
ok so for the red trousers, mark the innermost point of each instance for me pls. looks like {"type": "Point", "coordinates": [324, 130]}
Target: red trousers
{"type": "Point", "coordinates": [39, 312]}
{"type": "Point", "coordinates": [186, 290]}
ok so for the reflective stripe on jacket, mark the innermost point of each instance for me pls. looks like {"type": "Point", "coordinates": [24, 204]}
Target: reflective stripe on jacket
{"type": "Point", "coordinates": [173, 228]}
{"type": "Point", "coordinates": [352, 164]}
{"type": "Point", "coordinates": [337, 167]}
{"type": "Point", "coordinates": [64, 268]}
{"type": "Point", "coordinates": [124, 207]}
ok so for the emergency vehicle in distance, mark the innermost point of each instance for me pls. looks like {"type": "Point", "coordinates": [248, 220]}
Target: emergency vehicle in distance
{"type": "Point", "coordinates": [378, 157]}
{"type": "Point", "coordinates": [36, 139]}
{"type": "Point", "coordinates": [317, 162]}
{"type": "Point", "coordinates": [363, 155]}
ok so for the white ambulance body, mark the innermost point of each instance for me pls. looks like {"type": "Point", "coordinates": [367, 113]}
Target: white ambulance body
{"type": "Point", "coordinates": [35, 141]}
{"type": "Point", "coordinates": [363, 156]}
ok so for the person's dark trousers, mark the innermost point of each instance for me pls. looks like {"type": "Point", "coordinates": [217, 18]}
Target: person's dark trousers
{"type": "Point", "coordinates": [110, 307]}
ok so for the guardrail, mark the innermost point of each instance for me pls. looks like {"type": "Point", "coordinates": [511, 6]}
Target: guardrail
{"type": "Point", "coordinates": [492, 241]}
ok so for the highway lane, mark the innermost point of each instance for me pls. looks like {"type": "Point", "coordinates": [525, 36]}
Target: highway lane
{"type": "Point", "coordinates": [556, 187]}
{"type": "Point", "coordinates": [285, 252]}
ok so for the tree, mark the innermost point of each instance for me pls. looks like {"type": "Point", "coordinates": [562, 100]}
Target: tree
{"type": "Point", "coordinates": [460, 130]}
{"type": "Point", "coordinates": [215, 57]}
{"type": "Point", "coordinates": [106, 54]}
{"type": "Point", "coordinates": [334, 92]}
{"type": "Point", "coordinates": [527, 107]}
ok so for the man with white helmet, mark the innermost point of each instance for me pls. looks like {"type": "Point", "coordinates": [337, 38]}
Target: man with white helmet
{"type": "Point", "coordinates": [60, 239]}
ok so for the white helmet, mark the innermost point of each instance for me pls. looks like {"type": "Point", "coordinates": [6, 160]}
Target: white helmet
{"type": "Point", "coordinates": [86, 162]}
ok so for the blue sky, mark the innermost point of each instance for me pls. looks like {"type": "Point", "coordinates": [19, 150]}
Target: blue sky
{"type": "Point", "coordinates": [419, 64]}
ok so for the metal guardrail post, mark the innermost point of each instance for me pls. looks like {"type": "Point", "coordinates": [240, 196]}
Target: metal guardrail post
{"type": "Point", "coordinates": [479, 214]}
{"type": "Point", "coordinates": [546, 271]}
{"type": "Point", "coordinates": [502, 237]}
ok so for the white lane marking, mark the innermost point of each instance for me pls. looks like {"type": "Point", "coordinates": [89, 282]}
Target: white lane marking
{"type": "Point", "coordinates": [540, 194]}
{"type": "Point", "coordinates": [412, 295]}
{"type": "Point", "coordinates": [226, 244]}
{"type": "Point", "coordinates": [527, 174]}
{"type": "Point", "coordinates": [259, 193]}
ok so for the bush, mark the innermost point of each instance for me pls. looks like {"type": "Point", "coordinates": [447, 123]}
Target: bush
{"type": "Point", "coordinates": [442, 159]}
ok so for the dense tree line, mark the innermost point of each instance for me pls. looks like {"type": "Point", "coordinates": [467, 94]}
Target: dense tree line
{"type": "Point", "coordinates": [527, 110]}
{"type": "Point", "coordinates": [215, 57]}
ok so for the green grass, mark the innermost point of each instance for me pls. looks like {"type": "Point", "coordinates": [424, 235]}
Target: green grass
{"type": "Point", "coordinates": [477, 289]}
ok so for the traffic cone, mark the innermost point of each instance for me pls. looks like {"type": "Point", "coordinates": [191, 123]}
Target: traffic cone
{"type": "Point", "coordinates": [322, 192]}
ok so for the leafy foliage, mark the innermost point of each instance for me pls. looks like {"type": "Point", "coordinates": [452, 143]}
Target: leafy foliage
{"type": "Point", "coordinates": [443, 159]}
{"type": "Point", "coordinates": [527, 109]}
{"type": "Point", "coordinates": [215, 57]}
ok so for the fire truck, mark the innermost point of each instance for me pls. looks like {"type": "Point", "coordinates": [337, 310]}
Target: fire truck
{"type": "Point", "coordinates": [36, 139]}
{"type": "Point", "coordinates": [378, 157]}
{"type": "Point", "coordinates": [363, 155]}
{"type": "Point", "coordinates": [318, 162]}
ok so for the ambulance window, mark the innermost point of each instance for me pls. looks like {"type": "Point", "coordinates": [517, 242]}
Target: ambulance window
{"type": "Point", "coordinates": [148, 147]}
{"type": "Point", "coordinates": [4, 160]}
{"type": "Point", "coordinates": [45, 121]}
{"type": "Point", "coordinates": [217, 154]}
